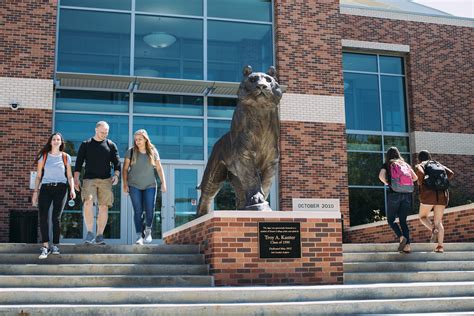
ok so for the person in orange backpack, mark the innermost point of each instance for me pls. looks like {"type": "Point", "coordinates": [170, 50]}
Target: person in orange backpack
{"type": "Point", "coordinates": [399, 176]}
{"type": "Point", "coordinates": [54, 173]}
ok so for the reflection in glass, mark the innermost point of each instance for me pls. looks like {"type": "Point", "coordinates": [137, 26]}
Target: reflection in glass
{"type": "Point", "coordinates": [233, 45]}
{"type": "Point", "coordinates": [364, 142]}
{"type": "Point", "coordinates": [102, 4]}
{"type": "Point", "coordinates": [391, 65]}
{"type": "Point", "coordinates": [216, 128]}
{"type": "Point", "coordinates": [100, 46]}
{"type": "Point", "coordinates": [168, 104]}
{"type": "Point", "coordinates": [182, 7]}
{"type": "Point", "coordinates": [225, 199]}
{"type": "Point", "coordinates": [112, 230]}
{"type": "Point", "coordinates": [221, 107]}
{"type": "Point", "coordinates": [185, 195]}
{"type": "Point", "coordinates": [182, 59]}
{"type": "Point", "coordinates": [366, 205]}
{"type": "Point", "coordinates": [393, 104]}
{"type": "Point", "coordinates": [175, 138]}
{"type": "Point", "coordinates": [400, 142]}
{"type": "Point", "coordinates": [156, 226]}
{"type": "Point", "coordinates": [364, 168]}
{"type": "Point", "coordinates": [92, 101]}
{"type": "Point", "coordinates": [71, 224]}
{"type": "Point", "coordinates": [361, 102]}
{"type": "Point", "coordinates": [256, 10]}
{"type": "Point", "coordinates": [77, 128]}
{"type": "Point", "coordinates": [359, 62]}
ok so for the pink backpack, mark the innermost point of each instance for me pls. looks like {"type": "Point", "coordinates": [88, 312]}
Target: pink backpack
{"type": "Point", "coordinates": [400, 177]}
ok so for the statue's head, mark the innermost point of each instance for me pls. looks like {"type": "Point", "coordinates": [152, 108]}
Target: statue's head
{"type": "Point", "coordinates": [260, 87]}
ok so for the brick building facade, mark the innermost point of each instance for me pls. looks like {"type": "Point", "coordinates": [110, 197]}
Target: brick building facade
{"type": "Point", "coordinates": [309, 40]}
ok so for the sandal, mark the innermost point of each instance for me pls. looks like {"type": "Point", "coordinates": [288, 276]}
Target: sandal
{"type": "Point", "coordinates": [407, 249]}
{"type": "Point", "coordinates": [439, 249]}
{"type": "Point", "coordinates": [434, 235]}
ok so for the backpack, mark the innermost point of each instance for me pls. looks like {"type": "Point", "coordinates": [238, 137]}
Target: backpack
{"type": "Point", "coordinates": [400, 177]}
{"type": "Point", "coordinates": [45, 156]}
{"type": "Point", "coordinates": [436, 177]}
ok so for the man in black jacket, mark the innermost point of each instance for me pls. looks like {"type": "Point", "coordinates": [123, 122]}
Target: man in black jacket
{"type": "Point", "coordinates": [99, 153]}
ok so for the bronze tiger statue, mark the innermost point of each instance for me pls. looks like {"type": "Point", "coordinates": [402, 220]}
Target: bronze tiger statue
{"type": "Point", "coordinates": [248, 154]}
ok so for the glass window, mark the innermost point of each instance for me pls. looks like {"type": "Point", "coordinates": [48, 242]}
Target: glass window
{"type": "Point", "coordinates": [182, 7]}
{"type": "Point", "coordinates": [391, 65]}
{"type": "Point", "coordinates": [256, 10]}
{"type": "Point", "coordinates": [175, 138]}
{"type": "Point", "coordinates": [167, 104]}
{"type": "Point", "coordinates": [361, 102]}
{"type": "Point", "coordinates": [101, 46]}
{"type": "Point", "coordinates": [215, 129]}
{"type": "Point", "coordinates": [225, 199]}
{"type": "Point", "coordinates": [366, 205]}
{"type": "Point", "coordinates": [78, 127]}
{"type": "Point", "coordinates": [400, 142]}
{"type": "Point", "coordinates": [102, 4]}
{"type": "Point", "coordinates": [232, 45]}
{"type": "Point", "coordinates": [221, 107]}
{"type": "Point", "coordinates": [393, 104]}
{"type": "Point", "coordinates": [364, 142]}
{"type": "Point", "coordinates": [168, 47]}
{"type": "Point", "coordinates": [92, 101]}
{"type": "Point", "coordinates": [364, 168]}
{"type": "Point", "coordinates": [359, 62]}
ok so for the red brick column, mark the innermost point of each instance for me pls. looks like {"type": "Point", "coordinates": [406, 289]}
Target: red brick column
{"type": "Point", "coordinates": [229, 241]}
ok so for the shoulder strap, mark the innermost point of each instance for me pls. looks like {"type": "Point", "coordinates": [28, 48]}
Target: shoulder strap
{"type": "Point", "coordinates": [64, 158]}
{"type": "Point", "coordinates": [45, 156]}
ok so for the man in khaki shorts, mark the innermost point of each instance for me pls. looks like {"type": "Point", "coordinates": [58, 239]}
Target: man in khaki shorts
{"type": "Point", "coordinates": [99, 154]}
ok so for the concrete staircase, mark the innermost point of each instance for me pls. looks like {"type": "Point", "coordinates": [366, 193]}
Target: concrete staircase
{"type": "Point", "coordinates": [131, 297]}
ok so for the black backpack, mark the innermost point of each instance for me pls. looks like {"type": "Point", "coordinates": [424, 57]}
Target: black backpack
{"type": "Point", "coordinates": [436, 177]}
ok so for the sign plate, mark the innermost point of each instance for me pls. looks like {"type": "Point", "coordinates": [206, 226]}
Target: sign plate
{"type": "Point", "coordinates": [279, 240]}
{"type": "Point", "coordinates": [326, 205]}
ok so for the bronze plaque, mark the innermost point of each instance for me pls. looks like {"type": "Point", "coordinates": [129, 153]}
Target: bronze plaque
{"type": "Point", "coordinates": [279, 240]}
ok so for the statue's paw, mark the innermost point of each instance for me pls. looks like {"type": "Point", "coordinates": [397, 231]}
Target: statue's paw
{"type": "Point", "coordinates": [257, 202]}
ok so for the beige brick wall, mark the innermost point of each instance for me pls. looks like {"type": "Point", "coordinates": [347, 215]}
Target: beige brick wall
{"type": "Point", "coordinates": [312, 108]}
{"type": "Point", "coordinates": [29, 93]}
{"type": "Point", "coordinates": [443, 143]}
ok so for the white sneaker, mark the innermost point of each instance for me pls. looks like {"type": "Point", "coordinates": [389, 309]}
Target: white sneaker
{"type": "Point", "coordinates": [139, 241]}
{"type": "Point", "coordinates": [44, 253]}
{"type": "Point", "coordinates": [148, 238]}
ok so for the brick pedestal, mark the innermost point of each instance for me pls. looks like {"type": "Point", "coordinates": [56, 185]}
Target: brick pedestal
{"type": "Point", "coordinates": [229, 241]}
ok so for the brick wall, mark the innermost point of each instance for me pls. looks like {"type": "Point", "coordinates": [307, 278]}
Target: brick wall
{"type": "Point", "coordinates": [27, 48]}
{"type": "Point", "coordinates": [23, 132]}
{"type": "Point", "coordinates": [439, 69]}
{"type": "Point", "coordinates": [230, 246]}
{"type": "Point", "coordinates": [28, 37]}
{"type": "Point", "coordinates": [458, 225]}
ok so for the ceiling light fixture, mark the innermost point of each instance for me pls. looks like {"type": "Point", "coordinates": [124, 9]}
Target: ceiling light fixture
{"type": "Point", "coordinates": [159, 39]}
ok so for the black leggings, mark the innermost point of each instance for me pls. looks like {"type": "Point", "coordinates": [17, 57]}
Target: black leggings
{"type": "Point", "coordinates": [56, 195]}
{"type": "Point", "coordinates": [399, 205]}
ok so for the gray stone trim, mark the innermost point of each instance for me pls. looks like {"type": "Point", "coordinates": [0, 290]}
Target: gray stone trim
{"type": "Point", "coordinates": [352, 44]}
{"type": "Point", "coordinates": [396, 15]}
{"type": "Point", "coordinates": [29, 93]}
{"type": "Point", "coordinates": [312, 108]}
{"type": "Point", "coordinates": [443, 143]}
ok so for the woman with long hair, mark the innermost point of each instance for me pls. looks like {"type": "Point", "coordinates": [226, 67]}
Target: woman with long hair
{"type": "Point", "coordinates": [432, 199]}
{"type": "Point", "coordinates": [51, 183]}
{"type": "Point", "coordinates": [138, 179]}
{"type": "Point", "coordinates": [399, 176]}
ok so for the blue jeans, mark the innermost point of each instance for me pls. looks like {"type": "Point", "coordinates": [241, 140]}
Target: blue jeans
{"type": "Point", "coordinates": [398, 205]}
{"type": "Point", "coordinates": [142, 200]}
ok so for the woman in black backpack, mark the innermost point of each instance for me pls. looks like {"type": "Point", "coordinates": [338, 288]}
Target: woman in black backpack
{"type": "Point", "coordinates": [399, 176]}
{"type": "Point", "coordinates": [434, 195]}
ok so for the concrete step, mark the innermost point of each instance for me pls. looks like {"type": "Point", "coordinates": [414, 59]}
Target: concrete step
{"type": "Point", "coordinates": [105, 280]}
{"type": "Point", "coordinates": [415, 256]}
{"type": "Point", "coordinates": [456, 304]}
{"type": "Point", "coordinates": [103, 269]}
{"type": "Point", "coordinates": [27, 258]}
{"type": "Point", "coordinates": [106, 249]}
{"type": "Point", "coordinates": [416, 247]}
{"type": "Point", "coordinates": [153, 295]}
{"type": "Point", "coordinates": [398, 277]}
{"type": "Point", "coordinates": [408, 266]}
